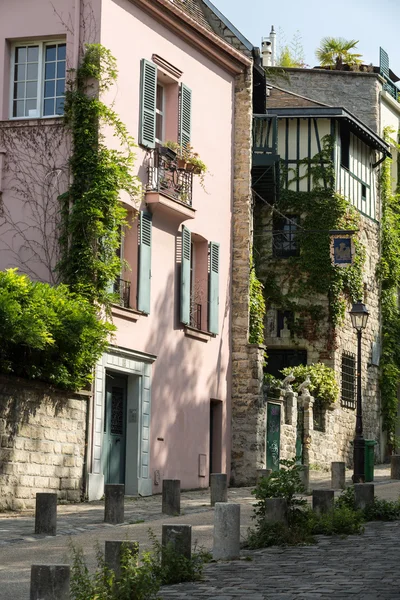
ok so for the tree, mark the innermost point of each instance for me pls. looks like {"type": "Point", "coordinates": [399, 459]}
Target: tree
{"type": "Point", "coordinates": [292, 54]}
{"type": "Point", "coordinates": [335, 53]}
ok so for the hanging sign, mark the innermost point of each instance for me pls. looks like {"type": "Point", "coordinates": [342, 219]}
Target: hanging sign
{"type": "Point", "coordinates": [342, 250]}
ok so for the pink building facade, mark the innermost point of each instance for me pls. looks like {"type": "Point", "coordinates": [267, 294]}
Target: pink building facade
{"type": "Point", "coordinates": [160, 407]}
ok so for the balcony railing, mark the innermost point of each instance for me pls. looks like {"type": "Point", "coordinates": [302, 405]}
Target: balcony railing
{"type": "Point", "coordinates": [169, 176]}
{"type": "Point", "coordinates": [122, 289]}
{"type": "Point", "coordinates": [195, 317]}
{"type": "Point", "coordinates": [265, 134]}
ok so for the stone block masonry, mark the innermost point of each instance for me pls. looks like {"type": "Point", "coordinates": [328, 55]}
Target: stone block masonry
{"type": "Point", "coordinates": [42, 442]}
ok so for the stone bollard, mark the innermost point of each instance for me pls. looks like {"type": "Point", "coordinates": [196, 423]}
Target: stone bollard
{"type": "Point", "coordinates": [276, 510]}
{"type": "Point", "coordinates": [180, 537]}
{"type": "Point", "coordinates": [263, 473]}
{"type": "Point", "coordinates": [113, 554]}
{"type": "Point", "coordinates": [395, 466]}
{"type": "Point", "coordinates": [338, 475]}
{"type": "Point", "coordinates": [363, 495]}
{"type": "Point", "coordinates": [46, 514]}
{"type": "Point", "coordinates": [171, 497]}
{"type": "Point", "coordinates": [305, 477]}
{"type": "Point", "coordinates": [322, 501]}
{"type": "Point", "coordinates": [50, 582]}
{"type": "Point", "coordinates": [219, 488]}
{"type": "Point", "coordinates": [226, 544]}
{"type": "Point", "coordinates": [114, 503]}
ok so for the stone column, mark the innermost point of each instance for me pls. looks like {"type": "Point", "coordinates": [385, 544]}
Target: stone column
{"type": "Point", "coordinates": [291, 408]}
{"type": "Point", "coordinates": [114, 503]}
{"type": "Point", "coordinates": [395, 466]}
{"type": "Point", "coordinates": [171, 497]}
{"type": "Point", "coordinates": [226, 531]}
{"type": "Point", "coordinates": [323, 501]}
{"type": "Point", "coordinates": [263, 473]}
{"type": "Point", "coordinates": [114, 551]}
{"type": "Point", "coordinates": [276, 510]}
{"type": "Point", "coordinates": [180, 538]}
{"type": "Point", "coordinates": [363, 495]}
{"type": "Point", "coordinates": [50, 582]}
{"type": "Point", "coordinates": [46, 514]}
{"type": "Point", "coordinates": [219, 488]}
{"type": "Point", "coordinates": [338, 475]}
{"type": "Point", "coordinates": [305, 477]}
{"type": "Point", "coordinates": [308, 402]}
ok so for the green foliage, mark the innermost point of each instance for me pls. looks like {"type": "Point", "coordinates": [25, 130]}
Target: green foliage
{"type": "Point", "coordinates": [257, 308]}
{"type": "Point", "coordinates": [279, 534]}
{"type": "Point", "coordinates": [380, 510]}
{"type": "Point", "coordinates": [335, 53]}
{"type": "Point", "coordinates": [323, 383]}
{"type": "Point", "coordinates": [340, 521]}
{"type": "Point", "coordinates": [48, 333]}
{"type": "Point", "coordinates": [389, 277]}
{"type": "Point", "coordinates": [291, 54]}
{"type": "Point", "coordinates": [92, 213]}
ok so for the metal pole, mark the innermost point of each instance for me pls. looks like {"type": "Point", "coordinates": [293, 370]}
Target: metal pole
{"type": "Point", "coordinates": [359, 442]}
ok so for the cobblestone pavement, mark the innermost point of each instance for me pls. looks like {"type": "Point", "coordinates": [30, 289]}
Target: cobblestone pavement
{"type": "Point", "coordinates": [358, 567]}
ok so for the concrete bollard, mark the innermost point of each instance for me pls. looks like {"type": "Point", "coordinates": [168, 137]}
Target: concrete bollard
{"type": "Point", "coordinates": [114, 503]}
{"type": "Point", "coordinates": [363, 495]}
{"type": "Point", "coordinates": [113, 554]}
{"type": "Point", "coordinates": [46, 514]}
{"type": "Point", "coordinates": [219, 488]}
{"type": "Point", "coordinates": [226, 544]}
{"type": "Point", "coordinates": [322, 501]}
{"type": "Point", "coordinates": [180, 537]}
{"type": "Point", "coordinates": [338, 475]}
{"type": "Point", "coordinates": [50, 582]}
{"type": "Point", "coordinates": [305, 477]}
{"type": "Point", "coordinates": [276, 510]}
{"type": "Point", "coordinates": [171, 497]}
{"type": "Point", "coordinates": [263, 473]}
{"type": "Point", "coordinates": [395, 466]}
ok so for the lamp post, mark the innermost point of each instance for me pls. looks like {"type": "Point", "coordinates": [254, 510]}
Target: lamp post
{"type": "Point", "coordinates": [359, 317]}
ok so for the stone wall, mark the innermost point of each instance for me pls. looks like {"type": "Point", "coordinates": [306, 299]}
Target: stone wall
{"type": "Point", "coordinates": [355, 91]}
{"type": "Point", "coordinates": [42, 443]}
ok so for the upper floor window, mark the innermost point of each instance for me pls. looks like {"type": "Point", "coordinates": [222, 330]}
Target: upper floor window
{"type": "Point", "coordinates": [160, 114]}
{"type": "Point", "coordinates": [285, 241]}
{"type": "Point", "coordinates": [38, 79]}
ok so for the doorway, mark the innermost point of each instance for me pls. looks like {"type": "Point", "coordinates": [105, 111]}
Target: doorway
{"type": "Point", "coordinates": [114, 447]}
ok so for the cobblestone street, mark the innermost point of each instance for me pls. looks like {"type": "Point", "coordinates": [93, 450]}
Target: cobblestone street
{"type": "Point", "coordinates": [363, 566]}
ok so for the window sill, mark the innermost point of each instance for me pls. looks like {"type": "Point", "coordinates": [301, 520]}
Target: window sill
{"type": "Point", "coordinates": [203, 336]}
{"type": "Point", "coordinates": [130, 314]}
{"type": "Point", "coordinates": [31, 122]}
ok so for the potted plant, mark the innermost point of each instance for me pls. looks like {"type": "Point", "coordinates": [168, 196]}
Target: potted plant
{"type": "Point", "coordinates": [170, 150]}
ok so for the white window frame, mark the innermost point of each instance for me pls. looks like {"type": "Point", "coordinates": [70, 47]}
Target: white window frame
{"type": "Point", "coordinates": [42, 43]}
{"type": "Point", "coordinates": [162, 113]}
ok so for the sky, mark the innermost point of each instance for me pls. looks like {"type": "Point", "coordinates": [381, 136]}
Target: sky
{"type": "Point", "coordinates": [373, 22]}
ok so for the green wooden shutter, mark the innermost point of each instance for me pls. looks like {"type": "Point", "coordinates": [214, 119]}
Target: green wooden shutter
{"type": "Point", "coordinates": [148, 90]}
{"type": "Point", "coordinates": [144, 280]}
{"type": "Point", "coordinates": [185, 115]}
{"type": "Point", "coordinates": [213, 288]}
{"type": "Point", "coordinates": [185, 275]}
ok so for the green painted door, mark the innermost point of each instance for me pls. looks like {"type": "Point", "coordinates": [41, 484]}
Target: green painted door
{"type": "Point", "coordinates": [300, 435]}
{"type": "Point", "coordinates": [273, 435]}
{"type": "Point", "coordinates": [115, 429]}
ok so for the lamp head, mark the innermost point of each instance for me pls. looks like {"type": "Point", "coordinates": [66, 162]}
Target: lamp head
{"type": "Point", "coordinates": [359, 316]}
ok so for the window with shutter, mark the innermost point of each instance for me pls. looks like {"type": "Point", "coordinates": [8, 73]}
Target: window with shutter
{"type": "Point", "coordinates": [185, 275]}
{"type": "Point", "coordinates": [148, 94]}
{"type": "Point", "coordinates": [213, 288]}
{"type": "Point", "coordinates": [144, 279]}
{"type": "Point", "coordinates": [185, 115]}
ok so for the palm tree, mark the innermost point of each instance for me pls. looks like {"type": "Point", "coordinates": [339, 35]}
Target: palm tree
{"type": "Point", "coordinates": [335, 53]}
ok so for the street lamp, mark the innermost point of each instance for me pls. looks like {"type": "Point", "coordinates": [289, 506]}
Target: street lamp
{"type": "Point", "coordinates": [359, 317]}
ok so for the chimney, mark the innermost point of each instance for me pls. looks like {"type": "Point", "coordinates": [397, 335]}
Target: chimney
{"type": "Point", "coordinates": [268, 49]}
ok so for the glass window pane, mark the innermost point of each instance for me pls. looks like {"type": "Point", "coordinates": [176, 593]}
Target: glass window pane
{"type": "Point", "coordinates": [61, 69]}
{"type": "Point", "coordinates": [19, 74]}
{"type": "Point", "coordinates": [159, 128]}
{"type": "Point", "coordinates": [61, 52]}
{"type": "Point", "coordinates": [50, 71]}
{"type": "Point", "coordinates": [50, 52]}
{"type": "Point", "coordinates": [60, 106]}
{"type": "Point", "coordinates": [160, 97]}
{"type": "Point", "coordinates": [33, 53]}
{"type": "Point", "coordinates": [31, 108]}
{"type": "Point", "coordinates": [19, 90]}
{"type": "Point", "coordinates": [20, 54]}
{"type": "Point", "coordinates": [60, 87]}
{"type": "Point", "coordinates": [19, 107]}
{"type": "Point", "coordinates": [32, 71]}
{"type": "Point", "coordinates": [49, 89]}
{"type": "Point", "coordinates": [31, 89]}
{"type": "Point", "coordinates": [48, 108]}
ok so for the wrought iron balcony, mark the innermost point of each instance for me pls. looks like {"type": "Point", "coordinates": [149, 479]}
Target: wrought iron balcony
{"type": "Point", "coordinates": [122, 289]}
{"type": "Point", "coordinates": [168, 175]}
{"type": "Point", "coordinates": [265, 170]}
{"type": "Point", "coordinates": [265, 135]}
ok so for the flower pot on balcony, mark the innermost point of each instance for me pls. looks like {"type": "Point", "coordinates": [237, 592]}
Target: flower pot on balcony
{"type": "Point", "coordinates": [167, 152]}
{"type": "Point", "coordinates": [197, 171]}
{"type": "Point", "coordinates": [190, 167]}
{"type": "Point", "coordinates": [181, 162]}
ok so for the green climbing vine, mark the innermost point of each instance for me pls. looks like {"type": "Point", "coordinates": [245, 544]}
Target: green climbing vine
{"type": "Point", "coordinates": [92, 214]}
{"type": "Point", "coordinates": [257, 307]}
{"type": "Point", "coordinates": [309, 286]}
{"type": "Point", "coordinates": [389, 276]}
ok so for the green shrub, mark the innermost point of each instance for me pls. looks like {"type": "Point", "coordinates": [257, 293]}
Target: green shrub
{"type": "Point", "coordinates": [340, 521]}
{"type": "Point", "coordinates": [323, 382]}
{"type": "Point", "coordinates": [298, 532]}
{"type": "Point", "coordinates": [382, 510]}
{"type": "Point", "coordinates": [48, 333]}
